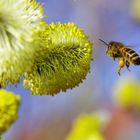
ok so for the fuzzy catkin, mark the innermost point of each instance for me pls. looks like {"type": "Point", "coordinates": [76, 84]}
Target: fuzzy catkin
{"type": "Point", "coordinates": [18, 21]}
{"type": "Point", "coordinates": [62, 62]}
{"type": "Point", "coordinates": [9, 104]}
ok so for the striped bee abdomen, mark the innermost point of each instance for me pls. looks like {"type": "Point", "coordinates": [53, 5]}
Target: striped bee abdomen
{"type": "Point", "coordinates": [131, 56]}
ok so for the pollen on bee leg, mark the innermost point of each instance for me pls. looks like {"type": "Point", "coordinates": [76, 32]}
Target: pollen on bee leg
{"type": "Point", "coordinates": [121, 65]}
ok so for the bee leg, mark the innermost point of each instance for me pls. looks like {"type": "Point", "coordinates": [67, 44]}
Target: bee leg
{"type": "Point", "coordinates": [127, 65]}
{"type": "Point", "coordinates": [114, 58]}
{"type": "Point", "coordinates": [121, 65]}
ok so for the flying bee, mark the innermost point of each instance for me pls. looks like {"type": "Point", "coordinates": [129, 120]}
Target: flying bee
{"type": "Point", "coordinates": [125, 54]}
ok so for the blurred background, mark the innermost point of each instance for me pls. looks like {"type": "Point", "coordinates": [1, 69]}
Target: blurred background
{"type": "Point", "coordinates": [51, 118]}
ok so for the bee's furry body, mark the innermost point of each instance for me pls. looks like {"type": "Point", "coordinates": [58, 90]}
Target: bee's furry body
{"type": "Point", "coordinates": [125, 54]}
{"type": "Point", "coordinates": [118, 50]}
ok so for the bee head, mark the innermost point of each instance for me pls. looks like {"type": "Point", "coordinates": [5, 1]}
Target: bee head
{"type": "Point", "coordinates": [110, 48]}
{"type": "Point", "coordinates": [114, 49]}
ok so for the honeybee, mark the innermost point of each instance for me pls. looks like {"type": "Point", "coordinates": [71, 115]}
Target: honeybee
{"type": "Point", "coordinates": [125, 54]}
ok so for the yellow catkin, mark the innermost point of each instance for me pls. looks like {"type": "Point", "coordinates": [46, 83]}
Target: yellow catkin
{"type": "Point", "coordinates": [127, 93]}
{"type": "Point", "coordinates": [62, 62]}
{"type": "Point", "coordinates": [89, 127]}
{"type": "Point", "coordinates": [18, 21]}
{"type": "Point", "coordinates": [135, 9]}
{"type": "Point", "coordinates": [9, 104]}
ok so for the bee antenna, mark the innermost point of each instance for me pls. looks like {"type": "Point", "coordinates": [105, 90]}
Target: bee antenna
{"type": "Point", "coordinates": [104, 42]}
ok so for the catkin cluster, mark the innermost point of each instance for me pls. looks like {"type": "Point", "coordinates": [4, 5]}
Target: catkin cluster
{"type": "Point", "coordinates": [51, 57]}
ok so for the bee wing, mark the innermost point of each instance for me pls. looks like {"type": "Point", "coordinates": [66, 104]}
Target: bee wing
{"type": "Point", "coordinates": [131, 46]}
{"type": "Point", "coordinates": [134, 47]}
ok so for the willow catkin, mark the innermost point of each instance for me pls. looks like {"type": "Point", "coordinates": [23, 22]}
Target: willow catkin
{"type": "Point", "coordinates": [18, 21]}
{"type": "Point", "coordinates": [9, 104]}
{"type": "Point", "coordinates": [62, 62]}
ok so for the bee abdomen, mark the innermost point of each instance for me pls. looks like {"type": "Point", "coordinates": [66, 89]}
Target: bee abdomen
{"type": "Point", "coordinates": [136, 60]}
{"type": "Point", "coordinates": [131, 56]}
{"type": "Point", "coordinates": [134, 57]}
